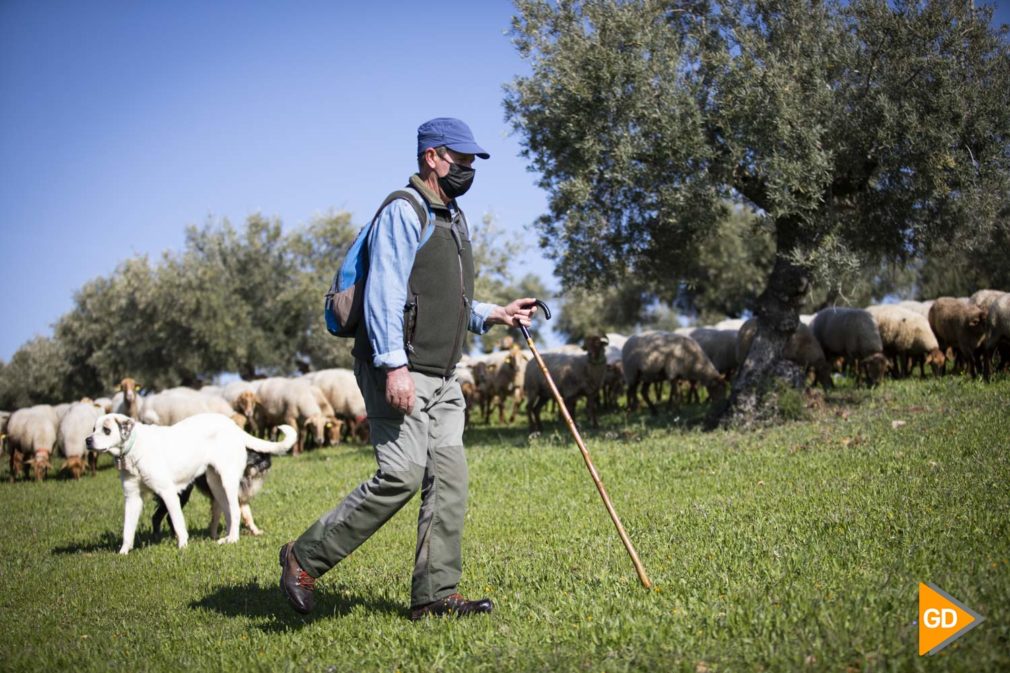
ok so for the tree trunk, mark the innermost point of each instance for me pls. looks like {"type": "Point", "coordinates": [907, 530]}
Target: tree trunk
{"type": "Point", "coordinates": [764, 376]}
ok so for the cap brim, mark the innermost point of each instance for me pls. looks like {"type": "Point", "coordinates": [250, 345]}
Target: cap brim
{"type": "Point", "coordinates": [469, 148]}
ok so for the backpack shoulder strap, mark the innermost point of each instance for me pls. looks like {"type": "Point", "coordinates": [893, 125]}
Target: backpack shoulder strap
{"type": "Point", "coordinates": [411, 196]}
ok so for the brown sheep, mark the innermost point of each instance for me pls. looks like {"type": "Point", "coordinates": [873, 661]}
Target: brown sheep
{"type": "Point", "coordinates": [960, 326]}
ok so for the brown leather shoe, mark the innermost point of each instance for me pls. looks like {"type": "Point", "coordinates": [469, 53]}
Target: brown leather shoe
{"type": "Point", "coordinates": [296, 584]}
{"type": "Point", "coordinates": [454, 605]}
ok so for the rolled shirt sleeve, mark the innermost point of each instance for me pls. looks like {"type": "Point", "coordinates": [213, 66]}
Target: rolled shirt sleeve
{"type": "Point", "coordinates": [479, 311]}
{"type": "Point", "coordinates": [392, 246]}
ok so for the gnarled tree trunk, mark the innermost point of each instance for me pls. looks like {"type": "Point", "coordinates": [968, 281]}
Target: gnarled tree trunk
{"type": "Point", "coordinates": [764, 374]}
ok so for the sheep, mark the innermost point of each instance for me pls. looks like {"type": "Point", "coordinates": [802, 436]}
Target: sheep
{"type": "Point", "coordinates": [852, 334]}
{"type": "Point", "coordinates": [665, 356]}
{"type": "Point", "coordinates": [128, 400]}
{"type": "Point", "coordinates": [906, 336]}
{"type": "Point", "coordinates": [720, 347]}
{"type": "Point", "coordinates": [105, 403]}
{"type": "Point", "coordinates": [340, 387]}
{"type": "Point", "coordinates": [4, 417]}
{"type": "Point", "coordinates": [32, 431]}
{"type": "Point", "coordinates": [802, 348]}
{"type": "Point", "coordinates": [171, 406]}
{"type": "Point", "coordinates": [293, 402]}
{"type": "Point", "coordinates": [505, 382]}
{"type": "Point", "coordinates": [74, 428]}
{"type": "Point", "coordinates": [961, 326]}
{"type": "Point", "coordinates": [574, 374]}
{"type": "Point", "coordinates": [920, 307]}
{"type": "Point", "coordinates": [733, 324]}
{"type": "Point", "coordinates": [998, 332]}
{"type": "Point", "coordinates": [985, 298]}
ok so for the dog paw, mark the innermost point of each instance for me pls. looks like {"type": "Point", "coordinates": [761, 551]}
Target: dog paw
{"type": "Point", "coordinates": [124, 551]}
{"type": "Point", "coordinates": [256, 531]}
{"type": "Point", "coordinates": [227, 540]}
{"type": "Point", "coordinates": [183, 544]}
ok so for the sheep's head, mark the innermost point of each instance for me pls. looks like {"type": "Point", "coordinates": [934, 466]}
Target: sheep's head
{"type": "Point", "coordinates": [41, 464]}
{"type": "Point", "coordinates": [334, 426]}
{"type": "Point", "coordinates": [936, 360]}
{"type": "Point", "coordinates": [596, 346]}
{"type": "Point", "coordinates": [129, 388]}
{"type": "Point", "coordinates": [875, 367]}
{"type": "Point", "coordinates": [75, 466]}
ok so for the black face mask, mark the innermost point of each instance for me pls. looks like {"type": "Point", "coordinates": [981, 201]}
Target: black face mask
{"type": "Point", "coordinates": [457, 181]}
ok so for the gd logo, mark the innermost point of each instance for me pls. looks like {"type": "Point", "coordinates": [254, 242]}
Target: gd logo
{"type": "Point", "coordinates": [942, 619]}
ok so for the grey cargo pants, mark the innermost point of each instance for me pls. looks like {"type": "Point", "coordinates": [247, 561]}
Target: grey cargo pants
{"type": "Point", "coordinates": [422, 450]}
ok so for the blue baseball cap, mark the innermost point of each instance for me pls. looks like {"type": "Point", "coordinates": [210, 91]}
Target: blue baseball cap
{"type": "Point", "coordinates": [450, 132]}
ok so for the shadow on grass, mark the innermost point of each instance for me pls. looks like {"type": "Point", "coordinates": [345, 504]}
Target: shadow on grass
{"type": "Point", "coordinates": [111, 541]}
{"type": "Point", "coordinates": [269, 607]}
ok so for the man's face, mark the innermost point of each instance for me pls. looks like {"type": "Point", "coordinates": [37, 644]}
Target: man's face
{"type": "Point", "coordinates": [444, 160]}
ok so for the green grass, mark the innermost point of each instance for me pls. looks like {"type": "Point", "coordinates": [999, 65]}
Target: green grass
{"type": "Point", "coordinates": [798, 547]}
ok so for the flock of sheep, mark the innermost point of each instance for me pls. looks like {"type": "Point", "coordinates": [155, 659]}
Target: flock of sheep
{"type": "Point", "coordinates": [972, 333]}
{"type": "Point", "coordinates": [326, 406]}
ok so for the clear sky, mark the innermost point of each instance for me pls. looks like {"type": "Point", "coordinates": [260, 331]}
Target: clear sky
{"type": "Point", "coordinates": [123, 122]}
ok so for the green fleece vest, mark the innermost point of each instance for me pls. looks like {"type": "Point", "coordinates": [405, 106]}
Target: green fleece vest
{"type": "Point", "coordinates": [439, 294]}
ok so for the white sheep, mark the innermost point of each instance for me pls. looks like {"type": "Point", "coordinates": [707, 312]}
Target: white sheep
{"type": "Point", "coordinates": [171, 406]}
{"type": "Point", "coordinates": [506, 382]}
{"type": "Point", "coordinates": [907, 339]}
{"type": "Point", "coordinates": [574, 374]}
{"type": "Point", "coordinates": [998, 332]}
{"type": "Point", "coordinates": [802, 348]}
{"type": "Point", "coordinates": [664, 356]}
{"type": "Point", "coordinates": [985, 298]}
{"type": "Point", "coordinates": [74, 428]}
{"type": "Point", "coordinates": [31, 437]}
{"type": "Point", "coordinates": [852, 334]}
{"type": "Point", "coordinates": [340, 387]}
{"type": "Point", "coordinates": [293, 402]}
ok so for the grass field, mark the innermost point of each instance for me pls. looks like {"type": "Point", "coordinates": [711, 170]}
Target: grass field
{"type": "Point", "coordinates": [793, 548]}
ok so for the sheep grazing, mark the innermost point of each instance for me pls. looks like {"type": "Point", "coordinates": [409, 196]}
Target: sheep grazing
{"type": "Point", "coordinates": [506, 383]}
{"type": "Point", "coordinates": [852, 334]}
{"type": "Point", "coordinates": [4, 417]}
{"type": "Point", "coordinates": [31, 437]}
{"type": "Point", "coordinates": [74, 428]}
{"type": "Point", "coordinates": [961, 326]}
{"type": "Point", "coordinates": [340, 387]}
{"type": "Point", "coordinates": [920, 307]}
{"type": "Point", "coordinates": [907, 339]}
{"type": "Point", "coordinates": [802, 348]}
{"type": "Point", "coordinates": [293, 402]}
{"type": "Point", "coordinates": [664, 356]}
{"type": "Point", "coordinates": [719, 345]}
{"type": "Point", "coordinates": [574, 374]}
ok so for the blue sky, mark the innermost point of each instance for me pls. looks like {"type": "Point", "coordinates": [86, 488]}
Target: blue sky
{"type": "Point", "coordinates": [123, 122]}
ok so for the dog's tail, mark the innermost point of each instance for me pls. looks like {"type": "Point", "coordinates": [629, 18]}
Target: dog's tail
{"type": "Point", "coordinates": [263, 446]}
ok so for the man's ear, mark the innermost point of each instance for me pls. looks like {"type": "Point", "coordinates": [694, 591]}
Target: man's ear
{"type": "Point", "coordinates": [125, 428]}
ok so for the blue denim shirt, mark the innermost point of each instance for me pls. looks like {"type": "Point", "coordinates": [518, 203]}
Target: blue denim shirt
{"type": "Point", "coordinates": [392, 244]}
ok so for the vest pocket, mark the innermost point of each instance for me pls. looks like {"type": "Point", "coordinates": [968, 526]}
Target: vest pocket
{"type": "Point", "coordinates": [409, 324]}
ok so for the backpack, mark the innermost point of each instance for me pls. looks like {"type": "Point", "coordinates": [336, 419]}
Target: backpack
{"type": "Point", "coordinates": [344, 302]}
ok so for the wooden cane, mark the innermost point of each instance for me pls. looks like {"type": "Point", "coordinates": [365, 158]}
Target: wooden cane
{"type": "Point", "coordinates": [639, 568]}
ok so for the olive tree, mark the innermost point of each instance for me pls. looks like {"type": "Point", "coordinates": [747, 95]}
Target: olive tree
{"type": "Point", "coordinates": [859, 131]}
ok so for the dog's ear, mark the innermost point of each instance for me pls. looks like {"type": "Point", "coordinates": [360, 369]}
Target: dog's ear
{"type": "Point", "coordinates": [125, 428]}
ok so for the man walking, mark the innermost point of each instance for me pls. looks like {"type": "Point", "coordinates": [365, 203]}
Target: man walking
{"type": "Point", "coordinates": [418, 305]}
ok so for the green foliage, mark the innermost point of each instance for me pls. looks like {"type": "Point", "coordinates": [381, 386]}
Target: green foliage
{"type": "Point", "coordinates": [246, 300]}
{"type": "Point", "coordinates": [35, 375]}
{"type": "Point", "coordinates": [863, 130]}
{"type": "Point", "coordinates": [795, 548]}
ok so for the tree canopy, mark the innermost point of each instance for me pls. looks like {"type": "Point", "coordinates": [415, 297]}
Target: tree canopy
{"type": "Point", "coordinates": [244, 300]}
{"type": "Point", "coordinates": [860, 132]}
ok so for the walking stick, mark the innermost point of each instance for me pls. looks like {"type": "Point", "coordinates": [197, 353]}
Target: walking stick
{"type": "Point", "coordinates": [639, 568]}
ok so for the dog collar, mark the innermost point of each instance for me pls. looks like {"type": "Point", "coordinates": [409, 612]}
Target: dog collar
{"type": "Point", "coordinates": [131, 440]}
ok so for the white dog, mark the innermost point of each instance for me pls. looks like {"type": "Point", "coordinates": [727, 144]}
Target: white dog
{"type": "Point", "coordinates": [166, 459]}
